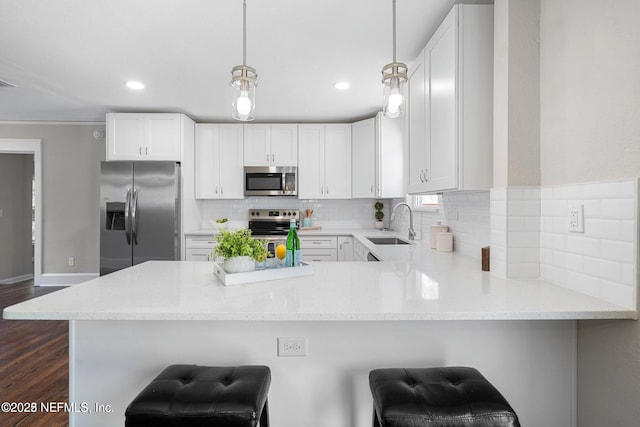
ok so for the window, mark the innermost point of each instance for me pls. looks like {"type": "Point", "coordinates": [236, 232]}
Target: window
{"type": "Point", "coordinates": [427, 202]}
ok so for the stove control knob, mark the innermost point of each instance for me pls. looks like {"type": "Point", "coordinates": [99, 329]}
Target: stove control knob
{"type": "Point", "coordinates": [294, 214]}
{"type": "Point", "coordinates": [257, 213]}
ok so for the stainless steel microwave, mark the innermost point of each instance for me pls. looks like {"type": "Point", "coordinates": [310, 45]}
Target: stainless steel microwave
{"type": "Point", "coordinates": [270, 181]}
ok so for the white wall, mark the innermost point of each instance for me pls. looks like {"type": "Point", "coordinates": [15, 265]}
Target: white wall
{"type": "Point", "coordinates": [70, 187]}
{"type": "Point", "coordinates": [590, 131]}
{"type": "Point", "coordinates": [530, 362]}
{"type": "Point", "coordinates": [16, 171]}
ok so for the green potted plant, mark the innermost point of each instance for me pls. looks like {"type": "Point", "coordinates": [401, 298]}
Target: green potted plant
{"type": "Point", "coordinates": [379, 215]}
{"type": "Point", "coordinates": [239, 250]}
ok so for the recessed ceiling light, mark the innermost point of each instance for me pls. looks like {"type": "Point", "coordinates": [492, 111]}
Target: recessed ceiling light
{"type": "Point", "coordinates": [131, 84]}
{"type": "Point", "coordinates": [342, 85]}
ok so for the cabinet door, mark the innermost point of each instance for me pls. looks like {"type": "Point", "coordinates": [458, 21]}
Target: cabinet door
{"type": "Point", "coordinates": [230, 162]}
{"type": "Point", "coordinates": [284, 145]}
{"type": "Point", "coordinates": [337, 157]}
{"type": "Point", "coordinates": [125, 135]}
{"type": "Point", "coordinates": [363, 165]}
{"type": "Point", "coordinates": [345, 248]}
{"type": "Point", "coordinates": [442, 52]}
{"type": "Point", "coordinates": [163, 137]}
{"type": "Point", "coordinates": [390, 150]}
{"type": "Point", "coordinates": [311, 162]}
{"type": "Point", "coordinates": [206, 161]}
{"type": "Point", "coordinates": [418, 144]}
{"type": "Point", "coordinates": [257, 143]}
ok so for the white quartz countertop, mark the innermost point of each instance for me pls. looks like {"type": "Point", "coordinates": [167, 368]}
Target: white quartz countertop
{"type": "Point", "coordinates": [412, 283]}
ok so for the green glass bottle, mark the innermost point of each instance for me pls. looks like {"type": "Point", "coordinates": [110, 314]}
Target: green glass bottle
{"type": "Point", "coordinates": [292, 258]}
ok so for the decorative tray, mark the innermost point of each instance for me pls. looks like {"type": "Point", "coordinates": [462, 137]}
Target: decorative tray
{"type": "Point", "coordinates": [265, 274]}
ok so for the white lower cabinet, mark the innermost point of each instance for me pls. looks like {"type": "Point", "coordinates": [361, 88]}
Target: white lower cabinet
{"type": "Point", "coordinates": [359, 251]}
{"type": "Point", "coordinates": [318, 249]}
{"type": "Point", "coordinates": [345, 248]}
{"type": "Point", "coordinates": [198, 247]}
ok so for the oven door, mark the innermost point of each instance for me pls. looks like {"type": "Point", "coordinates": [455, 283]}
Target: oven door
{"type": "Point", "coordinates": [270, 181]}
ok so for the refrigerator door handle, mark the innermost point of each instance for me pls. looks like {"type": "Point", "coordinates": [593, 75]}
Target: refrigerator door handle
{"type": "Point", "coordinates": [134, 217]}
{"type": "Point", "coordinates": [127, 221]}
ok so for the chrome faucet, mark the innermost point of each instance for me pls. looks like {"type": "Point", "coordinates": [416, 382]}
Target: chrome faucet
{"type": "Point", "coordinates": [412, 233]}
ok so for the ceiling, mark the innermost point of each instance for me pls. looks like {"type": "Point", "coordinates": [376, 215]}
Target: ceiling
{"type": "Point", "coordinates": [69, 59]}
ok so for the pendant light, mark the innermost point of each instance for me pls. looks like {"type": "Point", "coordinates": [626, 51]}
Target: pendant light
{"type": "Point", "coordinates": [243, 80]}
{"type": "Point", "coordinates": [394, 79]}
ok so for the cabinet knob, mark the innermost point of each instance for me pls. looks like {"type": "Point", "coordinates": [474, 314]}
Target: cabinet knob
{"type": "Point", "coordinates": [146, 150]}
{"type": "Point", "coordinates": [140, 150]}
{"type": "Point", "coordinates": [273, 157]}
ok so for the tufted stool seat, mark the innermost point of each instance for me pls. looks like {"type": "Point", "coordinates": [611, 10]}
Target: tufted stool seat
{"type": "Point", "coordinates": [191, 395]}
{"type": "Point", "coordinates": [437, 397]}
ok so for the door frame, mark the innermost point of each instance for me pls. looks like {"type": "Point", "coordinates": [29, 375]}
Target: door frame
{"type": "Point", "coordinates": [31, 146]}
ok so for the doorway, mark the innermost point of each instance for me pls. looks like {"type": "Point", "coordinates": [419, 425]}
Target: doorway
{"type": "Point", "coordinates": [32, 149]}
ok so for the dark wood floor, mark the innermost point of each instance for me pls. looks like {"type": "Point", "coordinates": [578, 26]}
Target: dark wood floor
{"type": "Point", "coordinates": [34, 361]}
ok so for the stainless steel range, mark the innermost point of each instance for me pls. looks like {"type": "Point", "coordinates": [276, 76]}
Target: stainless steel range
{"type": "Point", "coordinates": [272, 225]}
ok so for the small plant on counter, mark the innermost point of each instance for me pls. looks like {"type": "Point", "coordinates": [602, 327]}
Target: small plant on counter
{"type": "Point", "coordinates": [239, 243]}
{"type": "Point", "coordinates": [379, 215]}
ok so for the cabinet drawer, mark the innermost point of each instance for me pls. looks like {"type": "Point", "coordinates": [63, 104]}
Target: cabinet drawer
{"type": "Point", "coordinates": [319, 242]}
{"type": "Point", "coordinates": [319, 255]}
{"type": "Point", "coordinates": [198, 255]}
{"type": "Point", "coordinates": [200, 242]}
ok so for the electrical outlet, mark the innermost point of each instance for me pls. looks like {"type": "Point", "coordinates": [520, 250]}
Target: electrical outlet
{"type": "Point", "coordinates": [72, 261]}
{"type": "Point", "coordinates": [292, 346]}
{"type": "Point", "coordinates": [576, 219]}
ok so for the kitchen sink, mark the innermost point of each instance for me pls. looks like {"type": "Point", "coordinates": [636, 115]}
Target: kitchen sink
{"type": "Point", "coordinates": [387, 241]}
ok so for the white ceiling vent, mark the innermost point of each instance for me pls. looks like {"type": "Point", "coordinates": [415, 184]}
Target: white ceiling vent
{"type": "Point", "coordinates": [4, 83]}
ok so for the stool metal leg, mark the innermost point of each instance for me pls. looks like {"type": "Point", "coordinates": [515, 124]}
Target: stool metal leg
{"type": "Point", "coordinates": [376, 423]}
{"type": "Point", "coordinates": [264, 418]}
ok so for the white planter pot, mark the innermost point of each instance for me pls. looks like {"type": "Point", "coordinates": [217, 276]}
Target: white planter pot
{"type": "Point", "coordinates": [379, 225]}
{"type": "Point", "coordinates": [239, 264]}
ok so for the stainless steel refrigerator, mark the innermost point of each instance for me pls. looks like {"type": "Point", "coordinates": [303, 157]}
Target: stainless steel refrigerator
{"type": "Point", "coordinates": [139, 213]}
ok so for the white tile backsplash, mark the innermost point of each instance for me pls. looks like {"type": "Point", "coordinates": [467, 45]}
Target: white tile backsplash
{"type": "Point", "coordinates": [353, 213]}
{"type": "Point", "coordinates": [602, 261]}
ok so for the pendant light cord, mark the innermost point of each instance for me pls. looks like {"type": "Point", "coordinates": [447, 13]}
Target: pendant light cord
{"type": "Point", "coordinates": [244, 32]}
{"type": "Point", "coordinates": [394, 30]}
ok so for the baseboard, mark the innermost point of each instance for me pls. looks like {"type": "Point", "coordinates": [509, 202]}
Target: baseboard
{"type": "Point", "coordinates": [61, 279]}
{"type": "Point", "coordinates": [12, 280]}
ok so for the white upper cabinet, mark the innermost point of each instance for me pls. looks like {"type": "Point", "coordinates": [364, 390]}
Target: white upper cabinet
{"type": "Point", "coordinates": [324, 160]}
{"type": "Point", "coordinates": [132, 136]}
{"type": "Point", "coordinates": [378, 157]}
{"type": "Point", "coordinates": [218, 161]}
{"type": "Point", "coordinates": [363, 165]}
{"type": "Point", "coordinates": [451, 105]}
{"type": "Point", "coordinates": [270, 145]}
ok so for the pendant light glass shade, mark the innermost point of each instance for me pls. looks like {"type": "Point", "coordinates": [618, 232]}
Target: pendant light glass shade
{"type": "Point", "coordinates": [244, 80]}
{"type": "Point", "coordinates": [394, 82]}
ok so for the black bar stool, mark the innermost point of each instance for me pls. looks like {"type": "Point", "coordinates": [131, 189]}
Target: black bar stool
{"type": "Point", "coordinates": [437, 397]}
{"type": "Point", "coordinates": [191, 395]}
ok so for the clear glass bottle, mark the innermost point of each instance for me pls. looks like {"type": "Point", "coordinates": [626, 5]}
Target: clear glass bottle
{"type": "Point", "coordinates": [292, 258]}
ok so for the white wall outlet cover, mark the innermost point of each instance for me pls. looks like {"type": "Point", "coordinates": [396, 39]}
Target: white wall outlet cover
{"type": "Point", "coordinates": [576, 218]}
{"type": "Point", "coordinates": [292, 346]}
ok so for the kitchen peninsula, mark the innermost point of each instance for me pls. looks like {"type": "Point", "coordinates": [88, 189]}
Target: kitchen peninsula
{"type": "Point", "coordinates": [418, 307]}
